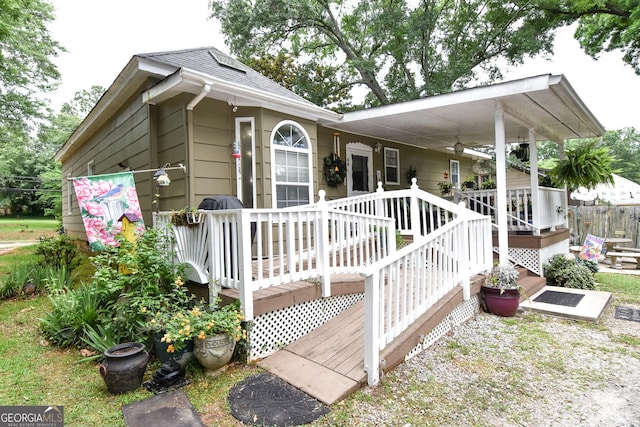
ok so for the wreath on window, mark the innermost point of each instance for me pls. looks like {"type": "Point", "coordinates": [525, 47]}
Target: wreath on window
{"type": "Point", "coordinates": [335, 170]}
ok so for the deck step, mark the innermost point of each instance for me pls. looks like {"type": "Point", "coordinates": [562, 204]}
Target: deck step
{"type": "Point", "coordinates": [314, 379]}
{"type": "Point", "coordinates": [531, 285]}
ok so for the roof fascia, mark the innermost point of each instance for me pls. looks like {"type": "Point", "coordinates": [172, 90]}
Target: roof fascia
{"type": "Point", "coordinates": [167, 88]}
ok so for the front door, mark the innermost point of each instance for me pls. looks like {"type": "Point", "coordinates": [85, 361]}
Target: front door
{"type": "Point", "coordinates": [359, 169]}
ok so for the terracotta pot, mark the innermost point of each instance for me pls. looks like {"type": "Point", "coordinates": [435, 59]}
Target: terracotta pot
{"type": "Point", "coordinates": [123, 367]}
{"type": "Point", "coordinates": [214, 352]}
{"type": "Point", "coordinates": [501, 302]}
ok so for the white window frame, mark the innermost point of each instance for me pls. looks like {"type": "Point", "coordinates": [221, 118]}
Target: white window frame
{"type": "Point", "coordinates": [91, 167]}
{"type": "Point", "coordinates": [239, 177]}
{"type": "Point", "coordinates": [454, 173]}
{"type": "Point", "coordinates": [275, 147]}
{"type": "Point", "coordinates": [396, 166]}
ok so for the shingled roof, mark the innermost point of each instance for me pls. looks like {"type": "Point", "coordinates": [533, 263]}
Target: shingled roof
{"type": "Point", "coordinates": [213, 62]}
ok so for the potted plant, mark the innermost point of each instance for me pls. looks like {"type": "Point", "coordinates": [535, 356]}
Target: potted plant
{"type": "Point", "coordinates": [187, 216]}
{"type": "Point", "coordinates": [501, 292]}
{"type": "Point", "coordinates": [489, 184]}
{"type": "Point", "coordinates": [445, 188]}
{"type": "Point", "coordinates": [214, 333]}
{"type": "Point", "coordinates": [470, 182]}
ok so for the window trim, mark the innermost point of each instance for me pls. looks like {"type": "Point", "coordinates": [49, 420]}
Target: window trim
{"type": "Point", "coordinates": [273, 147]}
{"type": "Point", "coordinates": [397, 165]}
{"type": "Point", "coordinates": [453, 176]}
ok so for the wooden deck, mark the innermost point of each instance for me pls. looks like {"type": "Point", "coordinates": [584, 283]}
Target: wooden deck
{"type": "Point", "coordinates": [328, 363]}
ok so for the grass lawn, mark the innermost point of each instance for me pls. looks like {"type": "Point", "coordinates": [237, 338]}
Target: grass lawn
{"type": "Point", "coordinates": [36, 373]}
{"type": "Point", "coordinates": [17, 229]}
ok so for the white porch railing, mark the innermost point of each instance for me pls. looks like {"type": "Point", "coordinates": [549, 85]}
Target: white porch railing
{"type": "Point", "coordinates": [521, 215]}
{"type": "Point", "coordinates": [401, 288]}
{"type": "Point", "coordinates": [252, 249]}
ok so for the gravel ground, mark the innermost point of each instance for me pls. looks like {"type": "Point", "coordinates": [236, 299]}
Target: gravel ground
{"type": "Point", "coordinates": [530, 370]}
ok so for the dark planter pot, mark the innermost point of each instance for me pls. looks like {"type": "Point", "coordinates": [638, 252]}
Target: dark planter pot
{"type": "Point", "coordinates": [124, 366]}
{"type": "Point", "coordinates": [181, 356]}
{"type": "Point", "coordinates": [501, 303]}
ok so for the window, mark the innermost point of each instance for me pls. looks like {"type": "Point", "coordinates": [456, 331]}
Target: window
{"type": "Point", "coordinates": [454, 173]}
{"type": "Point", "coordinates": [291, 165]}
{"type": "Point", "coordinates": [391, 165]}
{"type": "Point", "coordinates": [91, 168]}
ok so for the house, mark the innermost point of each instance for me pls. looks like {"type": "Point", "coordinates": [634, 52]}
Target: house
{"type": "Point", "coordinates": [239, 133]}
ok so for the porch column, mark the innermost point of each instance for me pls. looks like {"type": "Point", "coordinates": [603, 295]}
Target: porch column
{"type": "Point", "coordinates": [501, 187]}
{"type": "Point", "coordinates": [535, 193]}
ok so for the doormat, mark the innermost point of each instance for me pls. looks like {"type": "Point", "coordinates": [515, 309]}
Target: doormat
{"type": "Point", "coordinates": [627, 313]}
{"type": "Point", "coordinates": [559, 298]}
{"type": "Point", "coordinates": [172, 409]}
{"type": "Point", "coordinates": [266, 400]}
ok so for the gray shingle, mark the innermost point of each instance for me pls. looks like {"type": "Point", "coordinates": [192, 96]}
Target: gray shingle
{"type": "Point", "coordinates": [211, 61]}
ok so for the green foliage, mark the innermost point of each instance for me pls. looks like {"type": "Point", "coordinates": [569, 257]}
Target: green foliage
{"type": "Point", "coordinates": [19, 275]}
{"type": "Point", "coordinates": [564, 272]}
{"type": "Point", "coordinates": [503, 276]}
{"type": "Point", "coordinates": [57, 280]}
{"type": "Point", "coordinates": [131, 284]}
{"type": "Point", "coordinates": [396, 51]}
{"type": "Point", "coordinates": [200, 322]}
{"type": "Point", "coordinates": [60, 251]}
{"type": "Point", "coordinates": [26, 63]}
{"type": "Point", "coordinates": [100, 339]}
{"type": "Point", "coordinates": [586, 165]}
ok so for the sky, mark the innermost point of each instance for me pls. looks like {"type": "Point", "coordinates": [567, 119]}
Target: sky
{"type": "Point", "coordinates": [101, 37]}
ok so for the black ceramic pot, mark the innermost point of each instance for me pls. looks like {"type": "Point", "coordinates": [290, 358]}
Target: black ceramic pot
{"type": "Point", "coordinates": [124, 366]}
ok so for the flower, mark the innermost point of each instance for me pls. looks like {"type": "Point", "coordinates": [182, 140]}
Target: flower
{"type": "Point", "coordinates": [200, 322]}
{"type": "Point", "coordinates": [503, 276]}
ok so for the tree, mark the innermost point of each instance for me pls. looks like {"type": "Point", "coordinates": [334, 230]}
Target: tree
{"type": "Point", "coordinates": [29, 177]}
{"type": "Point", "coordinates": [26, 68]}
{"type": "Point", "coordinates": [625, 143]}
{"type": "Point", "coordinates": [395, 51]}
{"type": "Point", "coordinates": [602, 25]}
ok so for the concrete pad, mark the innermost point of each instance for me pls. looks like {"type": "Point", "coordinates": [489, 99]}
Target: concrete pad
{"type": "Point", "coordinates": [172, 409]}
{"type": "Point", "coordinates": [590, 307]}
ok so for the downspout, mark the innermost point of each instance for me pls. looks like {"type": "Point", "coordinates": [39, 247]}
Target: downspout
{"type": "Point", "coordinates": [191, 184]}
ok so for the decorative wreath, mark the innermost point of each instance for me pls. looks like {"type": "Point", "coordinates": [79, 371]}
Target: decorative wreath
{"type": "Point", "coordinates": [335, 170]}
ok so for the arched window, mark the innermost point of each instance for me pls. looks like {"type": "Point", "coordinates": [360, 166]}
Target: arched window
{"type": "Point", "coordinates": [291, 166]}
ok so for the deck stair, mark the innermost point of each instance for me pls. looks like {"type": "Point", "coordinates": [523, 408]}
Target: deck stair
{"type": "Point", "coordinates": [328, 363]}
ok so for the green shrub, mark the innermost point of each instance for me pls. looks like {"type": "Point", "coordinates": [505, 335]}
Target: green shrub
{"type": "Point", "coordinates": [564, 272]}
{"type": "Point", "coordinates": [130, 283]}
{"type": "Point", "coordinates": [72, 312]}
{"type": "Point", "coordinates": [20, 274]}
{"type": "Point", "coordinates": [59, 251]}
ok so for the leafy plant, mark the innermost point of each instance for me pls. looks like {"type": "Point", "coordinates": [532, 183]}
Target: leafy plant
{"type": "Point", "coordinates": [198, 323]}
{"type": "Point", "coordinates": [564, 272]}
{"type": "Point", "coordinates": [101, 338]}
{"type": "Point", "coordinates": [19, 275]}
{"type": "Point", "coordinates": [445, 188]}
{"type": "Point", "coordinates": [59, 251]}
{"type": "Point", "coordinates": [585, 165]}
{"type": "Point", "coordinates": [57, 279]}
{"type": "Point", "coordinates": [503, 276]}
{"type": "Point", "coordinates": [489, 184]}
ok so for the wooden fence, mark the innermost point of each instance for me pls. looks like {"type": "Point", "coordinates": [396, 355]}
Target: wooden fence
{"type": "Point", "coordinates": [604, 221]}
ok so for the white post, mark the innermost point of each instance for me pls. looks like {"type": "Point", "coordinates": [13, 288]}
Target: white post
{"type": "Point", "coordinates": [415, 210]}
{"type": "Point", "coordinates": [501, 187]}
{"type": "Point", "coordinates": [372, 328]}
{"type": "Point", "coordinates": [245, 281]}
{"type": "Point", "coordinates": [322, 252]}
{"type": "Point", "coordinates": [464, 243]}
{"type": "Point", "coordinates": [213, 258]}
{"type": "Point", "coordinates": [535, 190]}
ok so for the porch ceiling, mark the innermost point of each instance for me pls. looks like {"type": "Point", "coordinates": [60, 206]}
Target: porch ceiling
{"type": "Point", "coordinates": [547, 103]}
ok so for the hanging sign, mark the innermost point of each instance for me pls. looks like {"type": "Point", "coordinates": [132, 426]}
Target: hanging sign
{"type": "Point", "coordinates": [103, 200]}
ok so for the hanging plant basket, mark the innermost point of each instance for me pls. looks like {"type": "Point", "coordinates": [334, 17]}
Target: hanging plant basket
{"type": "Point", "coordinates": [334, 171]}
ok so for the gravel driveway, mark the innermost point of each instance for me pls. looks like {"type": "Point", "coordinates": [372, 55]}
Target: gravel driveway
{"type": "Point", "coordinates": [530, 370]}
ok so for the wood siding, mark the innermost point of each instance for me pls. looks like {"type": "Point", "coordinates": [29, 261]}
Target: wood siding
{"type": "Point", "coordinates": [430, 165]}
{"type": "Point", "coordinates": [126, 136]}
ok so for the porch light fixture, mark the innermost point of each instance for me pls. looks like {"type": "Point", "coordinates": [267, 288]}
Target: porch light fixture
{"type": "Point", "coordinates": [458, 148]}
{"type": "Point", "coordinates": [378, 147]}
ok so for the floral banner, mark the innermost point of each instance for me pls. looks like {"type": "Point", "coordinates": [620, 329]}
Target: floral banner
{"type": "Point", "coordinates": [103, 199]}
{"type": "Point", "coordinates": [592, 247]}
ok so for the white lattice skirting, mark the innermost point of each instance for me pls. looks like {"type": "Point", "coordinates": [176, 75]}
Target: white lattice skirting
{"type": "Point", "coordinates": [534, 259]}
{"type": "Point", "coordinates": [463, 312]}
{"type": "Point", "coordinates": [274, 330]}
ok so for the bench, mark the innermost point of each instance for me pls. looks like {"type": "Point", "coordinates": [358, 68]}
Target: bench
{"type": "Point", "coordinates": [625, 249]}
{"type": "Point", "coordinates": [614, 255]}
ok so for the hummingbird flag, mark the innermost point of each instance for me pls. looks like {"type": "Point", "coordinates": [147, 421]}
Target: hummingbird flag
{"type": "Point", "coordinates": [103, 199]}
